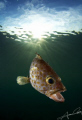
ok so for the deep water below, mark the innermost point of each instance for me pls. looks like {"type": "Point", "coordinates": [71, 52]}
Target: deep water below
{"type": "Point", "coordinates": [64, 55]}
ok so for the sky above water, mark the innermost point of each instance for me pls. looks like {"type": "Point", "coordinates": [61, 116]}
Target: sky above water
{"type": "Point", "coordinates": [39, 16]}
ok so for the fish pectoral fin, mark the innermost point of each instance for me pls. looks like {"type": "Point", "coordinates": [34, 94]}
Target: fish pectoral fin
{"type": "Point", "coordinates": [21, 80]}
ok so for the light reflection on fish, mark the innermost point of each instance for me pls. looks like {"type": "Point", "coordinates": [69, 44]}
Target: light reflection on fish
{"type": "Point", "coordinates": [44, 79]}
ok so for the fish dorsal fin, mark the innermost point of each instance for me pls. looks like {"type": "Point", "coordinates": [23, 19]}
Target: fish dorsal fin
{"type": "Point", "coordinates": [38, 56]}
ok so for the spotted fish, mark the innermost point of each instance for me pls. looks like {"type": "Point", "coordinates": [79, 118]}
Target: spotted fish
{"type": "Point", "coordinates": [44, 79]}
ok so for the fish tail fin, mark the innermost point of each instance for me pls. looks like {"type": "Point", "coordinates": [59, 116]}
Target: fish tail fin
{"type": "Point", "coordinates": [21, 80]}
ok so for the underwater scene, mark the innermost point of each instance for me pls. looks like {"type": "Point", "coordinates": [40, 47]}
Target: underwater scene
{"type": "Point", "coordinates": [40, 60]}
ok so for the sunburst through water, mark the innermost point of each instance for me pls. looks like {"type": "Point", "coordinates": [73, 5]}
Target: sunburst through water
{"type": "Point", "coordinates": [34, 22]}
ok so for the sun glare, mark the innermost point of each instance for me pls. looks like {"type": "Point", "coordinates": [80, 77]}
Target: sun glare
{"type": "Point", "coordinates": [37, 29]}
{"type": "Point", "coordinates": [37, 32]}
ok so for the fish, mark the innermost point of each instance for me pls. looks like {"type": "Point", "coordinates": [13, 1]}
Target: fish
{"type": "Point", "coordinates": [44, 79]}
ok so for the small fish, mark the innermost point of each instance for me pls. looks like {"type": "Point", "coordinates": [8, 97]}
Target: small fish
{"type": "Point", "coordinates": [44, 79]}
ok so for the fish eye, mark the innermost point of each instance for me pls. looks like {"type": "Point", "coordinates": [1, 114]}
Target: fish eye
{"type": "Point", "coordinates": [50, 80]}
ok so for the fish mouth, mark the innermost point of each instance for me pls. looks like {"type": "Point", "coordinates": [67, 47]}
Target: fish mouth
{"type": "Point", "coordinates": [57, 96]}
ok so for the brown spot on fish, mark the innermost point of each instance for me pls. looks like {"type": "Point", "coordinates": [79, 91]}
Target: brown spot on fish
{"type": "Point", "coordinates": [32, 76]}
{"type": "Point", "coordinates": [44, 75]}
{"type": "Point", "coordinates": [36, 86]}
{"type": "Point", "coordinates": [44, 88]}
{"type": "Point", "coordinates": [34, 81]}
{"type": "Point", "coordinates": [36, 77]}
{"type": "Point", "coordinates": [37, 72]}
{"type": "Point", "coordinates": [34, 72]}
{"type": "Point", "coordinates": [42, 84]}
{"type": "Point", "coordinates": [41, 73]}
{"type": "Point", "coordinates": [40, 78]}
{"type": "Point", "coordinates": [35, 65]}
{"type": "Point", "coordinates": [38, 82]}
